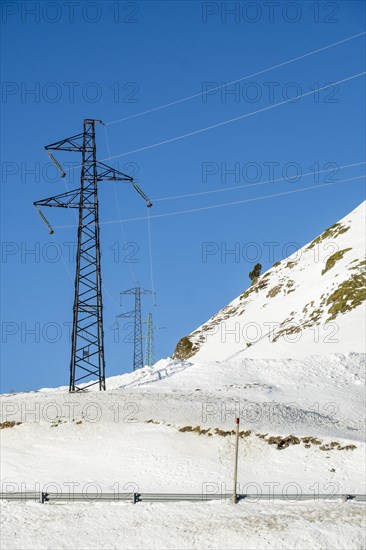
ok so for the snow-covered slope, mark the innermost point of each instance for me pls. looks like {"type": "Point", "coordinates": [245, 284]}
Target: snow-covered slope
{"type": "Point", "coordinates": [169, 427]}
{"type": "Point", "coordinates": [313, 302]}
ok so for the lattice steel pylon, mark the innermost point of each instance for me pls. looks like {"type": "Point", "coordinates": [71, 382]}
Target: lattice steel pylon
{"type": "Point", "coordinates": [87, 365]}
{"type": "Point", "coordinates": [138, 357]}
{"type": "Point", "coordinates": [150, 349]}
{"type": "Point", "coordinates": [150, 341]}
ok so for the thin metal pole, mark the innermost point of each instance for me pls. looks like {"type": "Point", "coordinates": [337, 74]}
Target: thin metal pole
{"type": "Point", "coordinates": [235, 497]}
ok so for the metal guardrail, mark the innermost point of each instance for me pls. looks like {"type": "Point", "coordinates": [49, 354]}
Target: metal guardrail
{"type": "Point", "coordinates": [134, 498]}
{"type": "Point", "coordinates": [176, 497]}
{"type": "Point", "coordinates": [22, 496]}
{"type": "Point", "coordinates": [82, 497]}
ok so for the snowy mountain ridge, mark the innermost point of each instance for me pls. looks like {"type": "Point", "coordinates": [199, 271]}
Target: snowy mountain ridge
{"type": "Point", "coordinates": [312, 302]}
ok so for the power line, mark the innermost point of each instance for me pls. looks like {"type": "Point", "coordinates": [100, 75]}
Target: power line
{"type": "Point", "coordinates": [151, 268]}
{"type": "Point", "coordinates": [63, 260]}
{"type": "Point", "coordinates": [237, 80]}
{"type": "Point", "coordinates": [150, 258]}
{"type": "Point", "coordinates": [132, 271]}
{"type": "Point", "coordinates": [240, 117]}
{"type": "Point", "coordinates": [245, 200]}
{"type": "Point", "coordinates": [247, 185]}
{"type": "Point", "coordinates": [168, 214]}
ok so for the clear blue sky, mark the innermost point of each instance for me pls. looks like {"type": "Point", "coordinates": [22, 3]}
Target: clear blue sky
{"type": "Point", "coordinates": [111, 60]}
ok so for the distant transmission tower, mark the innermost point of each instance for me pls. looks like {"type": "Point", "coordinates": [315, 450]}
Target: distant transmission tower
{"type": "Point", "coordinates": [150, 346]}
{"type": "Point", "coordinates": [87, 364]}
{"type": "Point", "coordinates": [138, 358]}
{"type": "Point", "coordinates": [150, 351]}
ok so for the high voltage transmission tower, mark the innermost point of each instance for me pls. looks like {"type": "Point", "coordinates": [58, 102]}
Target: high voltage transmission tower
{"type": "Point", "coordinates": [150, 346]}
{"type": "Point", "coordinates": [150, 351]}
{"type": "Point", "coordinates": [87, 365]}
{"type": "Point", "coordinates": [138, 358]}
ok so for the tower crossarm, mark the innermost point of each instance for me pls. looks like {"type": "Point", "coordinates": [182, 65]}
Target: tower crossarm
{"type": "Point", "coordinates": [73, 143]}
{"type": "Point", "coordinates": [107, 173]}
{"type": "Point", "coordinates": [70, 199]}
{"type": "Point", "coordinates": [133, 291]}
{"type": "Point", "coordinates": [128, 315]}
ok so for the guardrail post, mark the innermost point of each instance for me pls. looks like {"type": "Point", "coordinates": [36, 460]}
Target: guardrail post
{"type": "Point", "coordinates": [136, 497]}
{"type": "Point", "coordinates": [44, 497]}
